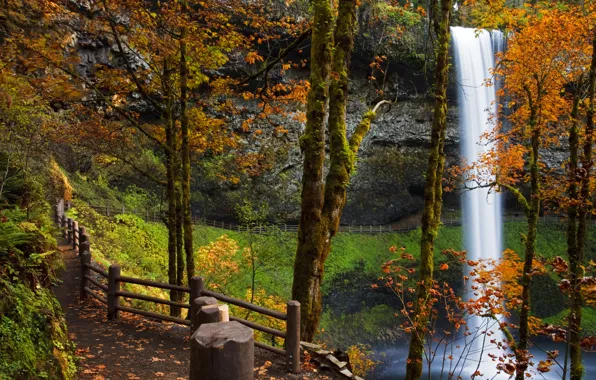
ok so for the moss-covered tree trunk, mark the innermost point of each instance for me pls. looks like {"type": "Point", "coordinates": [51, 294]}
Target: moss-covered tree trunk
{"type": "Point", "coordinates": [323, 202]}
{"type": "Point", "coordinates": [433, 191]}
{"type": "Point", "coordinates": [170, 152]}
{"type": "Point", "coordinates": [187, 212]}
{"type": "Point", "coordinates": [576, 258]}
{"type": "Point", "coordinates": [532, 213]}
{"type": "Point", "coordinates": [572, 243]}
{"type": "Point", "coordinates": [179, 235]}
{"type": "Point", "coordinates": [311, 231]}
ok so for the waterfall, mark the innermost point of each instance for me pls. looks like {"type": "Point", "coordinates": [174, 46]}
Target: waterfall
{"type": "Point", "coordinates": [474, 55]}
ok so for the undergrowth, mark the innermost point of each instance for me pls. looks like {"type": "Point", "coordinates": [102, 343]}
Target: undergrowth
{"type": "Point", "coordinates": [34, 342]}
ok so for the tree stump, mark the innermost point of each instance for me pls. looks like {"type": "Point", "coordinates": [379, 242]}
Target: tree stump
{"type": "Point", "coordinates": [197, 304]}
{"type": "Point", "coordinates": [212, 314]}
{"type": "Point", "coordinates": [222, 351]}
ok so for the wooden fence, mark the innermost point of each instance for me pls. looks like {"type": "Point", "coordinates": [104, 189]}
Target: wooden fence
{"type": "Point", "coordinates": [400, 226]}
{"type": "Point", "coordinates": [105, 286]}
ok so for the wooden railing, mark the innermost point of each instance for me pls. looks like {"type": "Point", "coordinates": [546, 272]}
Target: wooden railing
{"type": "Point", "coordinates": [400, 226]}
{"type": "Point", "coordinates": [105, 286]}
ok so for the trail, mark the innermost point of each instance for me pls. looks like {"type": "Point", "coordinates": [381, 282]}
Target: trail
{"type": "Point", "coordinates": [133, 347]}
{"type": "Point", "coordinates": [130, 347]}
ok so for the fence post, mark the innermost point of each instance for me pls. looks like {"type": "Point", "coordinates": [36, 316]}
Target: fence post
{"type": "Point", "coordinates": [56, 213]}
{"type": "Point", "coordinates": [85, 259]}
{"type": "Point", "coordinates": [196, 287]}
{"type": "Point", "coordinates": [293, 337]}
{"type": "Point", "coordinates": [63, 227]}
{"type": "Point", "coordinates": [69, 225]}
{"type": "Point", "coordinates": [113, 287]}
{"type": "Point", "coordinates": [75, 236]}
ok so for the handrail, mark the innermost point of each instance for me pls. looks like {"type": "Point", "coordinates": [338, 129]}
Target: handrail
{"type": "Point", "coordinates": [270, 348]}
{"type": "Point", "coordinates": [97, 283]}
{"type": "Point", "coordinates": [151, 314]}
{"type": "Point", "coordinates": [97, 270]}
{"type": "Point", "coordinates": [161, 285]}
{"type": "Point", "coordinates": [398, 226]}
{"type": "Point", "coordinates": [96, 296]}
{"type": "Point", "coordinates": [256, 326]}
{"type": "Point", "coordinates": [143, 297]}
{"type": "Point", "coordinates": [245, 304]}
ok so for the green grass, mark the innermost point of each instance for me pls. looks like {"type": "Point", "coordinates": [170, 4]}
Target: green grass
{"type": "Point", "coordinates": [141, 249]}
{"type": "Point", "coordinates": [588, 320]}
{"type": "Point", "coordinates": [551, 241]}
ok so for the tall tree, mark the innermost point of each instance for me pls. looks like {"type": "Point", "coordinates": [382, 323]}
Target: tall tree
{"type": "Point", "coordinates": [537, 70]}
{"type": "Point", "coordinates": [323, 199]}
{"type": "Point", "coordinates": [433, 190]}
{"type": "Point", "coordinates": [579, 193]}
{"type": "Point", "coordinates": [163, 54]}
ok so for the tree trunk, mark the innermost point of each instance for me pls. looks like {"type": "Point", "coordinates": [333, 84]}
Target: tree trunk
{"type": "Point", "coordinates": [323, 202]}
{"type": "Point", "coordinates": [572, 232]}
{"type": "Point", "coordinates": [533, 212]}
{"type": "Point", "coordinates": [179, 236]}
{"type": "Point", "coordinates": [171, 196]}
{"type": "Point", "coordinates": [188, 248]}
{"type": "Point", "coordinates": [575, 315]}
{"type": "Point", "coordinates": [311, 240]}
{"type": "Point", "coordinates": [433, 191]}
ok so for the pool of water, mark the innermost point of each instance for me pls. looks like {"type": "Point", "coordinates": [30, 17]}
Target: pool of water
{"type": "Point", "coordinates": [393, 366]}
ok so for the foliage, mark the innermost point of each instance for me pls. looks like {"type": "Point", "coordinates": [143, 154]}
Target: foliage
{"type": "Point", "coordinates": [361, 359]}
{"type": "Point", "coordinates": [261, 298]}
{"type": "Point", "coordinates": [216, 263]}
{"type": "Point", "coordinates": [33, 339]}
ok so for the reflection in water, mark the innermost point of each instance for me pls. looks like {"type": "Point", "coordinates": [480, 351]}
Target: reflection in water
{"type": "Point", "coordinates": [394, 359]}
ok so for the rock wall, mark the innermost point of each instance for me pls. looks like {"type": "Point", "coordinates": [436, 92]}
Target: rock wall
{"type": "Point", "coordinates": [389, 179]}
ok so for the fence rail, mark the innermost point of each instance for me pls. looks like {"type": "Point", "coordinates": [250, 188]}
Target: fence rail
{"type": "Point", "coordinates": [400, 226]}
{"type": "Point", "coordinates": [110, 293]}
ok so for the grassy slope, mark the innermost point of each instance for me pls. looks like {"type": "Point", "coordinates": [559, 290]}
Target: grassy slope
{"type": "Point", "coordinates": [140, 248]}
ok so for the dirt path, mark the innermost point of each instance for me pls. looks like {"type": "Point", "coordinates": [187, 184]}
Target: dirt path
{"type": "Point", "coordinates": [135, 347]}
{"type": "Point", "coordinates": [128, 348]}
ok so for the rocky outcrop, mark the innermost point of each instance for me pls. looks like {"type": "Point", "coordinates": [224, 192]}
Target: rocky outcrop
{"type": "Point", "coordinates": [389, 180]}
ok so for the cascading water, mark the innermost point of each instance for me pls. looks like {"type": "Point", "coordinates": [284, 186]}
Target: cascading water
{"type": "Point", "coordinates": [474, 55]}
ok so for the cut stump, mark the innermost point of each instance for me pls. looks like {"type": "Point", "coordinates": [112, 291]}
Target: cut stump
{"type": "Point", "coordinates": [222, 351]}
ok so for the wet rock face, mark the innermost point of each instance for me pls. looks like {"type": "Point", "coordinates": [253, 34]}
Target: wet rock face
{"type": "Point", "coordinates": [389, 179]}
{"type": "Point", "coordinates": [388, 183]}
{"type": "Point", "coordinates": [93, 52]}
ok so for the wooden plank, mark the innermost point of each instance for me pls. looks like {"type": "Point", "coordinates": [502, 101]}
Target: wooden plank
{"type": "Point", "coordinates": [96, 296]}
{"type": "Point", "coordinates": [244, 304]}
{"type": "Point", "coordinates": [151, 299]}
{"type": "Point", "coordinates": [256, 326]}
{"type": "Point", "coordinates": [138, 281]}
{"type": "Point", "coordinates": [270, 348]}
{"type": "Point", "coordinates": [151, 314]}
{"type": "Point", "coordinates": [97, 270]}
{"type": "Point", "coordinates": [97, 283]}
